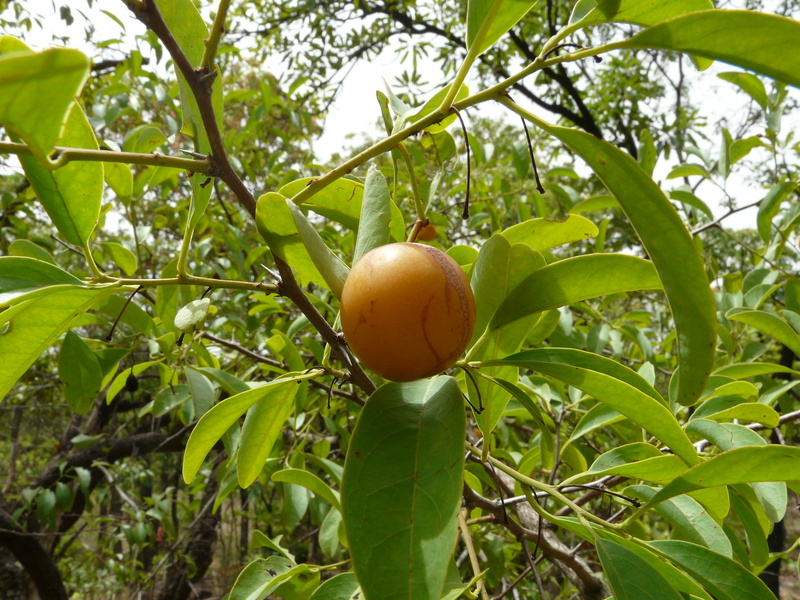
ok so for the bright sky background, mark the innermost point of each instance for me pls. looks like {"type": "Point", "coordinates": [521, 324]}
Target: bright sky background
{"type": "Point", "coordinates": [356, 102]}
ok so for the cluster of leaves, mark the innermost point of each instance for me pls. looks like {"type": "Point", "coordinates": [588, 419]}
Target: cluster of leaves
{"type": "Point", "coordinates": [628, 430]}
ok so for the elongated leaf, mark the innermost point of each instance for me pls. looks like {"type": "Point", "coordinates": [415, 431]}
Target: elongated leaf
{"type": "Point", "coordinates": [30, 326]}
{"type": "Point", "coordinates": [489, 20]}
{"type": "Point", "coordinates": [723, 577]}
{"type": "Point", "coordinates": [20, 275]}
{"type": "Point", "coordinates": [575, 279]}
{"type": "Point", "coordinates": [341, 587]}
{"type": "Point", "coordinates": [769, 207]}
{"type": "Point", "coordinates": [341, 202]}
{"type": "Point", "coordinates": [407, 453]}
{"type": "Point", "coordinates": [262, 576]}
{"type": "Point", "coordinates": [750, 84]}
{"type": "Point", "coordinates": [630, 576]}
{"type": "Point", "coordinates": [213, 425]}
{"type": "Point", "coordinates": [638, 460]}
{"type": "Point", "coordinates": [679, 580]}
{"type": "Point", "coordinates": [79, 369]}
{"type": "Point", "coordinates": [749, 464]}
{"type": "Point", "coordinates": [332, 269]}
{"type": "Point", "coordinates": [543, 234]}
{"type": "Point", "coordinates": [670, 247]}
{"type": "Point", "coordinates": [376, 214]}
{"type": "Point", "coordinates": [311, 482]}
{"type": "Point", "coordinates": [591, 12]}
{"type": "Point", "coordinates": [71, 194]}
{"type": "Point", "coordinates": [689, 520]}
{"type": "Point", "coordinates": [261, 428]}
{"type": "Point", "coordinates": [38, 91]}
{"type": "Point", "coordinates": [760, 42]}
{"type": "Point", "coordinates": [769, 323]}
{"type": "Point", "coordinates": [756, 537]}
{"type": "Point", "coordinates": [613, 384]}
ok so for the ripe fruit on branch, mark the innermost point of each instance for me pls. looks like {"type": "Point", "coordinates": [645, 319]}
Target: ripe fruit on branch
{"type": "Point", "coordinates": [407, 311]}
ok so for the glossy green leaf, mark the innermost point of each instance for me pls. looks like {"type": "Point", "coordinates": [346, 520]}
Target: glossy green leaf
{"type": "Point", "coordinates": [277, 226]}
{"type": "Point", "coordinates": [573, 280]}
{"type": "Point", "coordinates": [262, 426]}
{"type": "Point", "coordinates": [747, 370]}
{"type": "Point", "coordinates": [39, 89]}
{"type": "Point", "coordinates": [602, 202]}
{"type": "Point", "coordinates": [311, 482]}
{"type": "Point", "coordinates": [122, 257]}
{"type": "Point", "coordinates": [670, 247]}
{"type": "Point", "coordinates": [631, 577]}
{"type": "Point", "coordinates": [765, 43]}
{"type": "Point", "coordinates": [32, 325]}
{"type": "Point", "coordinates": [79, 369]}
{"type": "Point", "coordinates": [756, 538]}
{"type": "Point", "coordinates": [435, 102]}
{"type": "Point", "coordinates": [770, 323]}
{"type": "Point", "coordinates": [71, 194]}
{"type": "Point", "coordinates": [406, 452]}
{"type": "Point", "coordinates": [213, 425]}
{"type": "Point", "coordinates": [723, 577]}
{"type": "Point", "coordinates": [203, 393]}
{"type": "Point", "coordinates": [341, 587]}
{"type": "Point", "coordinates": [144, 139]}
{"type": "Point", "coordinates": [341, 202]}
{"type": "Point", "coordinates": [750, 464]}
{"type": "Point", "coordinates": [376, 214]}
{"type": "Point", "coordinates": [592, 12]}
{"type": "Point", "coordinates": [679, 580]}
{"type": "Point", "coordinates": [28, 249]}
{"type": "Point", "coordinates": [750, 84]}
{"type": "Point", "coordinates": [332, 269]}
{"type": "Point", "coordinates": [638, 461]}
{"type": "Point", "coordinates": [20, 275]}
{"type": "Point", "coordinates": [689, 520]}
{"type": "Point", "coordinates": [769, 207]}
{"type": "Point", "coordinates": [721, 408]}
{"type": "Point", "coordinates": [489, 20]}
{"type": "Point", "coordinates": [613, 384]}
{"type": "Point", "coordinates": [543, 234]}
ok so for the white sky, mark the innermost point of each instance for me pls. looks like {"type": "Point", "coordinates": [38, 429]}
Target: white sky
{"type": "Point", "coordinates": [356, 104]}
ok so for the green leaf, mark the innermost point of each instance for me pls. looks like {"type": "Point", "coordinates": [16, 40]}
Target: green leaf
{"type": "Point", "coordinates": [119, 178]}
{"type": "Point", "coordinates": [376, 214]}
{"type": "Point", "coordinates": [341, 587]}
{"type": "Point", "coordinates": [689, 198]}
{"type": "Point", "coordinates": [770, 206]}
{"type": "Point", "coordinates": [407, 453]}
{"type": "Point", "coordinates": [602, 202]}
{"type": "Point", "coordinates": [631, 577]}
{"type": "Point", "coordinates": [670, 247]}
{"type": "Point", "coordinates": [613, 384]}
{"type": "Point", "coordinates": [262, 576]}
{"type": "Point", "coordinates": [637, 460]}
{"type": "Point", "coordinates": [213, 425]}
{"type": "Point", "coordinates": [79, 369]}
{"type": "Point", "coordinates": [750, 464]}
{"type": "Point", "coordinates": [489, 20]}
{"type": "Point", "coordinates": [435, 102]}
{"type": "Point", "coordinates": [573, 280]}
{"type": "Point", "coordinates": [748, 83]}
{"type": "Point", "coordinates": [592, 12]}
{"type": "Point", "coordinates": [39, 89]}
{"type": "Point", "coordinates": [277, 226]}
{"type": "Point", "coordinates": [543, 234]}
{"type": "Point", "coordinates": [311, 482]}
{"type": "Point", "coordinates": [32, 325]}
{"type": "Point", "coordinates": [332, 269]}
{"type": "Point", "coordinates": [689, 520]}
{"type": "Point", "coordinates": [688, 170]}
{"type": "Point", "coordinates": [760, 42]}
{"type": "Point", "coordinates": [679, 580]}
{"type": "Point", "coordinates": [262, 426]}
{"type": "Point", "coordinates": [29, 249]}
{"type": "Point", "coordinates": [723, 577]}
{"type": "Point", "coordinates": [122, 257]}
{"type": "Point", "coordinates": [769, 323]}
{"type": "Point", "coordinates": [341, 202]}
{"type": "Point", "coordinates": [20, 275]}
{"type": "Point", "coordinates": [756, 538]}
{"type": "Point", "coordinates": [71, 194]}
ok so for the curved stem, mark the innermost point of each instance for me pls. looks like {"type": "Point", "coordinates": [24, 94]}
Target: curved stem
{"type": "Point", "coordinates": [215, 35]}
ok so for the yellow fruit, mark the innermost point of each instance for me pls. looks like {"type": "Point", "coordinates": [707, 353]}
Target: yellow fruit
{"type": "Point", "coordinates": [407, 311]}
{"type": "Point", "coordinates": [427, 233]}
